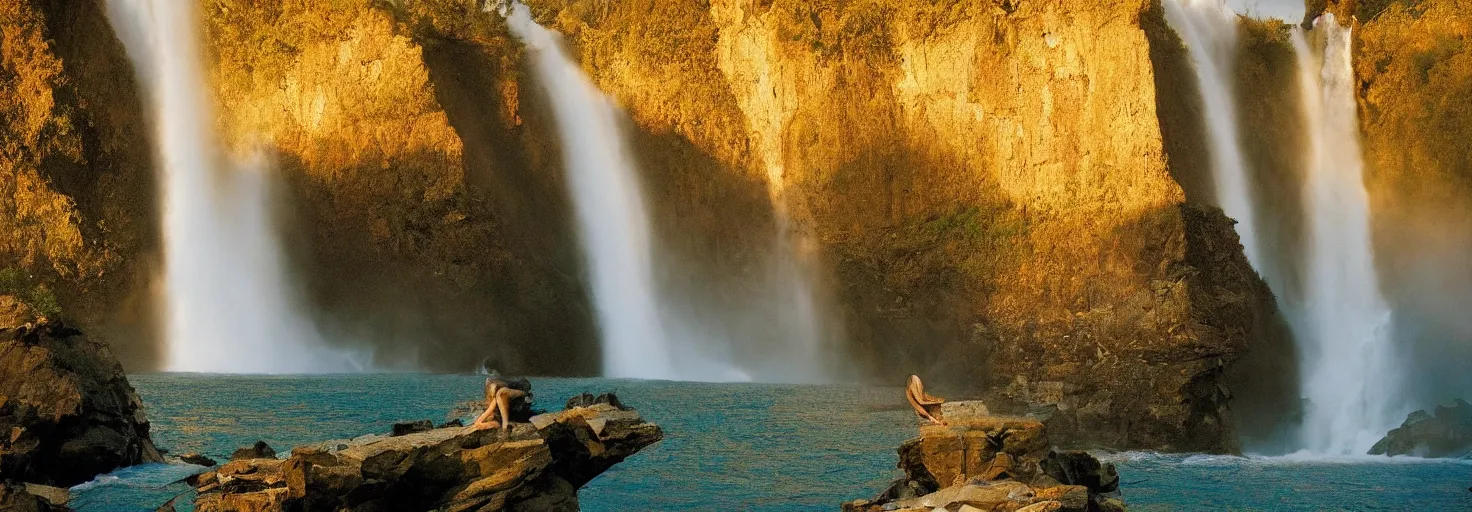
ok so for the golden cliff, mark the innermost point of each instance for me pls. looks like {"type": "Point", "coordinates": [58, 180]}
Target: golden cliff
{"type": "Point", "coordinates": [986, 182]}
{"type": "Point", "coordinates": [1001, 196]}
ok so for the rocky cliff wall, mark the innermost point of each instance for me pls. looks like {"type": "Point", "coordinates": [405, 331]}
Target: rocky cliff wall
{"type": "Point", "coordinates": [430, 221]}
{"type": "Point", "coordinates": [1414, 64]}
{"type": "Point", "coordinates": [76, 224]}
{"type": "Point", "coordinates": [986, 183]}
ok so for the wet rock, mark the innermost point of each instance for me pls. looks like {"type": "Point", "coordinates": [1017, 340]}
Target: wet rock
{"type": "Point", "coordinates": [533, 466]}
{"type": "Point", "coordinates": [412, 427]}
{"type": "Point", "coordinates": [66, 408]}
{"type": "Point", "coordinates": [453, 423]}
{"type": "Point", "coordinates": [197, 459]}
{"type": "Point", "coordinates": [260, 450]}
{"type": "Point", "coordinates": [994, 463]}
{"type": "Point", "coordinates": [1447, 433]}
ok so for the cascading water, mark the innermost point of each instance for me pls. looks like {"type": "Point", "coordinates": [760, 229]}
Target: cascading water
{"type": "Point", "coordinates": [643, 336]}
{"type": "Point", "coordinates": [1349, 361]}
{"type": "Point", "coordinates": [228, 307]}
{"type": "Point", "coordinates": [1209, 30]}
{"type": "Point", "coordinates": [609, 205]}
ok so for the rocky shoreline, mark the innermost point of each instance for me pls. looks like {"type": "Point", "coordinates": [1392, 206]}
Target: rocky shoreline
{"type": "Point", "coordinates": [1445, 433]}
{"type": "Point", "coordinates": [980, 462]}
{"type": "Point", "coordinates": [534, 466]}
{"type": "Point", "coordinates": [66, 407]}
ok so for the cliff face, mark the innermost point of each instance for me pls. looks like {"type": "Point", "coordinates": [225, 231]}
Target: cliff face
{"type": "Point", "coordinates": [987, 185]}
{"type": "Point", "coordinates": [433, 228]}
{"type": "Point", "coordinates": [76, 222]}
{"type": "Point", "coordinates": [1414, 64]}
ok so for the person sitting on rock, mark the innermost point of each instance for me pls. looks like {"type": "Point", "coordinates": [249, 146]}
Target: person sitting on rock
{"type": "Point", "coordinates": [500, 396]}
{"type": "Point", "coordinates": [922, 401]}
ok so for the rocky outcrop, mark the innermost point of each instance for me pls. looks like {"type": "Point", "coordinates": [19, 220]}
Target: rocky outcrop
{"type": "Point", "coordinates": [536, 466]}
{"type": "Point", "coordinates": [16, 497]}
{"type": "Point", "coordinates": [1447, 433]}
{"type": "Point", "coordinates": [994, 463]}
{"type": "Point", "coordinates": [68, 411]}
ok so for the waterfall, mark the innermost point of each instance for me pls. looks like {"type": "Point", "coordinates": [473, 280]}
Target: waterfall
{"type": "Point", "coordinates": [1209, 30]}
{"type": "Point", "coordinates": [228, 307]}
{"type": "Point", "coordinates": [609, 207]}
{"type": "Point", "coordinates": [646, 334]}
{"type": "Point", "coordinates": [1348, 359]}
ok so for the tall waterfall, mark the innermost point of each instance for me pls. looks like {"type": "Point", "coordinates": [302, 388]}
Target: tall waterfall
{"type": "Point", "coordinates": [609, 204]}
{"type": "Point", "coordinates": [1349, 361]}
{"type": "Point", "coordinates": [1209, 30]}
{"type": "Point", "coordinates": [646, 334]}
{"type": "Point", "coordinates": [228, 305]}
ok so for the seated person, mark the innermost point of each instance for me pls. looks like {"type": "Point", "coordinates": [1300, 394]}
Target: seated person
{"type": "Point", "coordinates": [511, 398]}
{"type": "Point", "coordinates": [922, 401]}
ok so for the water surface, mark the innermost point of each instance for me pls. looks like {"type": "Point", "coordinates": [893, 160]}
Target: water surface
{"type": "Point", "coordinates": [755, 447]}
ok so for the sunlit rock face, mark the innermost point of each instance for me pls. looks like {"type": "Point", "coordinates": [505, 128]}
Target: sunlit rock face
{"type": "Point", "coordinates": [987, 186]}
{"type": "Point", "coordinates": [1413, 63]}
{"type": "Point", "coordinates": [427, 222]}
{"type": "Point", "coordinates": [76, 222]}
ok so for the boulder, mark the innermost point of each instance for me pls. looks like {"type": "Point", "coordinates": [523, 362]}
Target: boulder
{"type": "Point", "coordinates": [197, 459]}
{"type": "Point", "coordinates": [532, 466]}
{"type": "Point", "coordinates": [16, 497]}
{"type": "Point", "coordinates": [994, 463]}
{"type": "Point", "coordinates": [1447, 433]}
{"type": "Point", "coordinates": [412, 427]}
{"type": "Point", "coordinates": [66, 407]}
{"type": "Point", "coordinates": [260, 450]}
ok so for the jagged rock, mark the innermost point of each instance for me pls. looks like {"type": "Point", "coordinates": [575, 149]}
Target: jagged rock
{"type": "Point", "coordinates": [1447, 433]}
{"type": "Point", "coordinates": [452, 423]}
{"type": "Point", "coordinates": [16, 497]}
{"type": "Point", "coordinates": [260, 450]}
{"type": "Point", "coordinates": [412, 427]}
{"type": "Point", "coordinates": [588, 400]}
{"type": "Point", "coordinates": [197, 459]}
{"type": "Point", "coordinates": [994, 463]}
{"type": "Point", "coordinates": [68, 411]}
{"type": "Point", "coordinates": [536, 466]}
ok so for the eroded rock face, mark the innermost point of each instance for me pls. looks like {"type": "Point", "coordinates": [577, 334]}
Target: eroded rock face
{"type": "Point", "coordinates": [994, 463]}
{"type": "Point", "coordinates": [536, 466]}
{"type": "Point", "coordinates": [68, 410]}
{"type": "Point", "coordinates": [1447, 433]}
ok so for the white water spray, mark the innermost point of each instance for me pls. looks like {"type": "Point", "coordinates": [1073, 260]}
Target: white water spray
{"type": "Point", "coordinates": [609, 205]}
{"type": "Point", "coordinates": [1349, 363]}
{"type": "Point", "coordinates": [229, 308]}
{"type": "Point", "coordinates": [1209, 30]}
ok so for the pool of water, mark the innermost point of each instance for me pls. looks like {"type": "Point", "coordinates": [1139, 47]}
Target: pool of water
{"type": "Point", "coordinates": [755, 447]}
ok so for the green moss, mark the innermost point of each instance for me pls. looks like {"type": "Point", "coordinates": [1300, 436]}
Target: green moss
{"type": "Point", "coordinates": [16, 282]}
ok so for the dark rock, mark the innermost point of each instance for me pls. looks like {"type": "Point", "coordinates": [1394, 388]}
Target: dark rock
{"type": "Point", "coordinates": [197, 459]}
{"type": "Point", "coordinates": [66, 408]}
{"type": "Point", "coordinates": [453, 423]}
{"type": "Point", "coordinates": [994, 463]}
{"type": "Point", "coordinates": [412, 427]}
{"type": "Point", "coordinates": [260, 450]}
{"type": "Point", "coordinates": [533, 467]}
{"type": "Point", "coordinates": [588, 400]}
{"type": "Point", "coordinates": [18, 497]}
{"type": "Point", "coordinates": [1447, 433]}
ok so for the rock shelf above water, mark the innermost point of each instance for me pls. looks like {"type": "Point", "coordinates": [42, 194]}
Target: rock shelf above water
{"type": "Point", "coordinates": [1445, 433]}
{"type": "Point", "coordinates": [534, 466]}
{"type": "Point", "coordinates": [979, 462]}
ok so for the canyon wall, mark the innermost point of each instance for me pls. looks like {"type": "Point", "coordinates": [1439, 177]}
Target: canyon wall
{"type": "Point", "coordinates": [1414, 63]}
{"type": "Point", "coordinates": [1003, 197]}
{"type": "Point", "coordinates": [987, 185]}
{"type": "Point", "coordinates": [77, 229]}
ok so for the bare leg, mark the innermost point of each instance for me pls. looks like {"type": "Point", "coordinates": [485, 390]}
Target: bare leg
{"type": "Point", "coordinates": [504, 396]}
{"type": "Point", "coordinates": [915, 394]}
{"type": "Point", "coordinates": [488, 419]}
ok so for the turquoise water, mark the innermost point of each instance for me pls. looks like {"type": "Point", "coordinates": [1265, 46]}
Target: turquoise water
{"type": "Point", "coordinates": [727, 447]}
